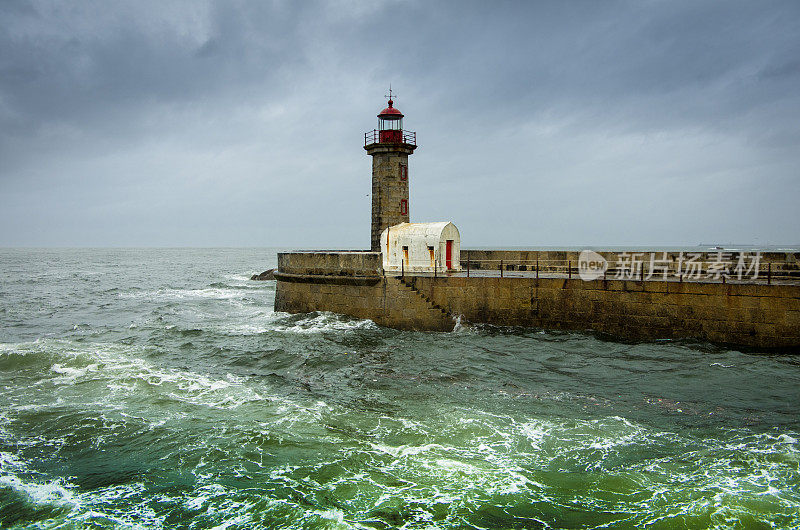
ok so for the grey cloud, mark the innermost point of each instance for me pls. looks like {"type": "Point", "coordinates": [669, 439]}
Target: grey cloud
{"type": "Point", "coordinates": [191, 118]}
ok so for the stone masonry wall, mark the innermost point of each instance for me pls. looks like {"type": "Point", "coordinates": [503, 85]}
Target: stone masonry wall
{"type": "Point", "coordinates": [757, 316]}
{"type": "Point", "coordinates": [387, 302]}
{"type": "Point", "coordinates": [331, 263]}
{"type": "Point", "coordinates": [389, 188]}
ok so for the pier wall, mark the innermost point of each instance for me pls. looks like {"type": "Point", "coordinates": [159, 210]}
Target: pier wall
{"type": "Point", "coordinates": [758, 316]}
{"type": "Point", "coordinates": [331, 263]}
{"type": "Point", "coordinates": [386, 301]}
{"type": "Point", "coordinates": [352, 283]}
{"type": "Point", "coordinates": [751, 315]}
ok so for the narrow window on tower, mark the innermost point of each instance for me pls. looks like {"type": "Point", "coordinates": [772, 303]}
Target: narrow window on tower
{"type": "Point", "coordinates": [403, 206]}
{"type": "Point", "coordinates": [403, 171]}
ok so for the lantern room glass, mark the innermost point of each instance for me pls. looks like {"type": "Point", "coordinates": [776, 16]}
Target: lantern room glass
{"type": "Point", "coordinates": [390, 124]}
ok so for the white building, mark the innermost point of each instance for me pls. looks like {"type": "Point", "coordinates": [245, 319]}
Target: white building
{"type": "Point", "coordinates": [419, 247]}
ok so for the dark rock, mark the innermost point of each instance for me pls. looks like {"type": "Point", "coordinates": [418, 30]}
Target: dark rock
{"type": "Point", "coordinates": [266, 275]}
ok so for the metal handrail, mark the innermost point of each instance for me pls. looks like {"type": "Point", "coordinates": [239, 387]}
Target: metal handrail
{"type": "Point", "coordinates": [766, 272]}
{"type": "Point", "coordinates": [373, 137]}
{"type": "Point", "coordinates": [701, 271]}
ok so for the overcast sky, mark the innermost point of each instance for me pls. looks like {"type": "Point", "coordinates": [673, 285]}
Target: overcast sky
{"type": "Point", "coordinates": [171, 123]}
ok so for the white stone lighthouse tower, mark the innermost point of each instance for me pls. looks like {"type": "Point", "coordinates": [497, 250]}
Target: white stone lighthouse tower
{"type": "Point", "coordinates": [389, 145]}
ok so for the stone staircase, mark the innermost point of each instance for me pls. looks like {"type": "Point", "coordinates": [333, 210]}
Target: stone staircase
{"type": "Point", "coordinates": [430, 303]}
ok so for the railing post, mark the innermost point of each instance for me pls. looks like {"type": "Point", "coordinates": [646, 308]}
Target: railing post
{"type": "Point", "coordinates": [501, 268]}
{"type": "Point", "coordinates": [569, 269]}
{"type": "Point", "coordinates": [769, 273]}
{"type": "Point", "coordinates": [537, 268]}
{"type": "Point", "coordinates": [468, 264]}
{"type": "Point", "coordinates": [641, 273]}
{"type": "Point", "coordinates": [402, 268]}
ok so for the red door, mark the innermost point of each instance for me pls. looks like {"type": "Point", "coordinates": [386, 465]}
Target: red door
{"type": "Point", "coordinates": [449, 254]}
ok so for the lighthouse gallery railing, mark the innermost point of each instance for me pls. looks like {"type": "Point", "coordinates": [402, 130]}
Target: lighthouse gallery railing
{"type": "Point", "coordinates": [374, 137]}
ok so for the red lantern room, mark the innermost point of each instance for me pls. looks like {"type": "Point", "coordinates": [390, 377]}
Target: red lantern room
{"type": "Point", "coordinates": [390, 125]}
{"type": "Point", "coordinates": [390, 128]}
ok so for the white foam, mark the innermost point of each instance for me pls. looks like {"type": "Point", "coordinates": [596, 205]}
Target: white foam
{"type": "Point", "coordinates": [406, 450]}
{"type": "Point", "coordinates": [53, 492]}
{"type": "Point", "coordinates": [211, 293]}
{"type": "Point", "coordinates": [536, 432]}
{"type": "Point", "coordinates": [122, 371]}
{"type": "Point", "coordinates": [325, 321]}
{"type": "Point", "coordinates": [70, 374]}
{"type": "Point", "coordinates": [462, 326]}
{"type": "Point", "coordinates": [333, 514]}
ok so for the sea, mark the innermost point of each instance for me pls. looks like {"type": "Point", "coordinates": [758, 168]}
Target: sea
{"type": "Point", "coordinates": [158, 388]}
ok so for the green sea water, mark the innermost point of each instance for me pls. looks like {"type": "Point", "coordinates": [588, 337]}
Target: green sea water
{"type": "Point", "coordinates": [157, 388]}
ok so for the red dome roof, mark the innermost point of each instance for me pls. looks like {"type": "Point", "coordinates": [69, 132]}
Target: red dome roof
{"type": "Point", "coordinates": [390, 112]}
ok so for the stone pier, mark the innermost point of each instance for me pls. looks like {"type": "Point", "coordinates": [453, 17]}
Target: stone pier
{"type": "Point", "coordinates": [756, 316]}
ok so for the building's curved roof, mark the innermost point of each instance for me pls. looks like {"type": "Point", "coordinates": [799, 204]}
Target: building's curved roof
{"type": "Point", "coordinates": [419, 229]}
{"type": "Point", "coordinates": [390, 112]}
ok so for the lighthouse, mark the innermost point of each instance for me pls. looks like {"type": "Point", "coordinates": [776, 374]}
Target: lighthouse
{"type": "Point", "coordinates": [389, 145]}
